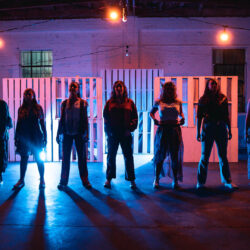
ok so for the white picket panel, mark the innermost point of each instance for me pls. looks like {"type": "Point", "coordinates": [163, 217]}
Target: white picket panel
{"type": "Point", "coordinates": [192, 148]}
{"type": "Point", "coordinates": [140, 87]}
{"type": "Point", "coordinates": [46, 93]}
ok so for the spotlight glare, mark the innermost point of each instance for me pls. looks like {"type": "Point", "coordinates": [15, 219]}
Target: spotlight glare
{"type": "Point", "coordinates": [42, 155]}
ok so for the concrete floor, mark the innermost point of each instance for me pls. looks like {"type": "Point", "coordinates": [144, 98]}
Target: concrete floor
{"type": "Point", "coordinates": [121, 218]}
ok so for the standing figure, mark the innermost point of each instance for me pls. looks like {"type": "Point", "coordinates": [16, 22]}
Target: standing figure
{"type": "Point", "coordinates": [5, 125]}
{"type": "Point", "coordinates": [30, 136]}
{"type": "Point", "coordinates": [213, 111]}
{"type": "Point", "coordinates": [248, 136]}
{"type": "Point", "coordinates": [120, 119]}
{"type": "Point", "coordinates": [73, 126]}
{"type": "Point", "coordinates": [168, 138]}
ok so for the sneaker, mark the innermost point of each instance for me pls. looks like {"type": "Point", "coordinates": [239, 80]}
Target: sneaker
{"type": "Point", "coordinates": [107, 184]}
{"type": "Point", "coordinates": [200, 186]}
{"type": "Point", "coordinates": [156, 184]}
{"type": "Point", "coordinates": [175, 185]}
{"type": "Point", "coordinates": [42, 185]}
{"type": "Point", "coordinates": [231, 186]}
{"type": "Point", "coordinates": [19, 184]}
{"type": "Point", "coordinates": [62, 187]}
{"type": "Point", "coordinates": [86, 184]}
{"type": "Point", "coordinates": [132, 185]}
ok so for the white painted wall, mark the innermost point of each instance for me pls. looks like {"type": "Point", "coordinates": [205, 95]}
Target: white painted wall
{"type": "Point", "coordinates": [177, 45]}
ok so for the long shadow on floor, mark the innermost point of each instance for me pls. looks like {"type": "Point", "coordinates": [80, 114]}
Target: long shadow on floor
{"type": "Point", "coordinates": [117, 237]}
{"type": "Point", "coordinates": [5, 208]}
{"type": "Point", "coordinates": [38, 239]}
{"type": "Point", "coordinates": [118, 206]}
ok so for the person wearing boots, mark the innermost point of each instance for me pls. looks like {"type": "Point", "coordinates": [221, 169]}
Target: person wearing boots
{"type": "Point", "coordinates": [168, 137]}
{"type": "Point", "coordinates": [213, 111]}
{"type": "Point", "coordinates": [120, 119]}
{"type": "Point", "coordinates": [30, 136]}
{"type": "Point", "coordinates": [5, 125]}
{"type": "Point", "coordinates": [73, 126]}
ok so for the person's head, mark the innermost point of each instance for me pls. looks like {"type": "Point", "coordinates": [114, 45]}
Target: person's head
{"type": "Point", "coordinates": [29, 97]}
{"type": "Point", "coordinates": [74, 89]}
{"type": "Point", "coordinates": [212, 87]}
{"type": "Point", "coordinates": [119, 90]}
{"type": "Point", "coordinates": [168, 92]}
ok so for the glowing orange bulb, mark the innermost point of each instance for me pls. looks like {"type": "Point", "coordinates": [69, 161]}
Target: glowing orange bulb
{"type": "Point", "coordinates": [113, 15]}
{"type": "Point", "coordinates": [1, 43]}
{"type": "Point", "coordinates": [224, 36]}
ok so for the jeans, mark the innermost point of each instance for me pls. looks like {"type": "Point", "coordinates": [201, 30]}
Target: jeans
{"type": "Point", "coordinates": [82, 157]}
{"type": "Point", "coordinates": [211, 132]}
{"type": "Point", "coordinates": [126, 144]}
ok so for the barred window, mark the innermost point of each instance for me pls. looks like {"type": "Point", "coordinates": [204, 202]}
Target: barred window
{"type": "Point", "coordinates": [36, 63]}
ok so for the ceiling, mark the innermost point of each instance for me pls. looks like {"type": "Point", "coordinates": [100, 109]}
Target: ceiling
{"type": "Point", "coordinates": [72, 9]}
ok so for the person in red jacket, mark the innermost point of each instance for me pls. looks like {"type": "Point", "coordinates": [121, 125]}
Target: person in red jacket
{"type": "Point", "coordinates": [120, 119]}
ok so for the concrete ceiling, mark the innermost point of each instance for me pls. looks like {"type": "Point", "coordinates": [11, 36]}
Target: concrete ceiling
{"type": "Point", "coordinates": [66, 9]}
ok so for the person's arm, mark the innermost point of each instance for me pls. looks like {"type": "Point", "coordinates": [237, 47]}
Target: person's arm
{"type": "Point", "coordinates": [134, 118]}
{"type": "Point", "coordinates": [199, 121]}
{"type": "Point", "coordinates": [106, 118]}
{"type": "Point", "coordinates": [228, 122]}
{"type": "Point", "coordinates": [153, 111]}
{"type": "Point", "coordinates": [247, 119]}
{"type": "Point", "coordinates": [85, 121]}
{"type": "Point", "coordinates": [60, 126]}
{"type": "Point", "coordinates": [182, 121]}
{"type": "Point", "coordinates": [18, 128]}
{"type": "Point", "coordinates": [43, 127]}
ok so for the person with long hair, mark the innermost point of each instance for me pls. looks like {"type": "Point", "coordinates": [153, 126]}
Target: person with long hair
{"type": "Point", "coordinates": [73, 126]}
{"type": "Point", "coordinates": [30, 136]}
{"type": "Point", "coordinates": [120, 119]}
{"type": "Point", "coordinates": [168, 138]}
{"type": "Point", "coordinates": [5, 125]}
{"type": "Point", "coordinates": [213, 111]}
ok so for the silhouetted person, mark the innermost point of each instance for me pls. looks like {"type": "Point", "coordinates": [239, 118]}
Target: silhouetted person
{"type": "Point", "coordinates": [248, 136]}
{"type": "Point", "coordinates": [168, 137]}
{"type": "Point", "coordinates": [73, 126]}
{"type": "Point", "coordinates": [30, 136]}
{"type": "Point", "coordinates": [120, 119]}
{"type": "Point", "coordinates": [5, 125]}
{"type": "Point", "coordinates": [213, 111]}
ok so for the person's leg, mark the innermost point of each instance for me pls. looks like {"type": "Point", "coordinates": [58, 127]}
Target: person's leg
{"type": "Point", "coordinates": [82, 160]}
{"type": "Point", "coordinates": [67, 146]}
{"type": "Point", "coordinates": [40, 165]}
{"type": "Point", "coordinates": [2, 153]}
{"type": "Point", "coordinates": [160, 150]}
{"type": "Point", "coordinates": [113, 144]}
{"type": "Point", "coordinates": [127, 150]}
{"type": "Point", "coordinates": [23, 168]}
{"type": "Point", "coordinates": [221, 143]}
{"type": "Point", "coordinates": [174, 145]}
{"type": "Point", "coordinates": [207, 141]}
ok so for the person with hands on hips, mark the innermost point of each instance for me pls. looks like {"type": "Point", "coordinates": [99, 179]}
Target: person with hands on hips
{"type": "Point", "coordinates": [30, 136]}
{"type": "Point", "coordinates": [168, 137]}
{"type": "Point", "coordinates": [73, 126]}
{"type": "Point", "coordinates": [213, 112]}
{"type": "Point", "coordinates": [120, 119]}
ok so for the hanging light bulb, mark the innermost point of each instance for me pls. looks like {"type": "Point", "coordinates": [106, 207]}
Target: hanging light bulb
{"type": "Point", "coordinates": [127, 54]}
{"type": "Point", "coordinates": [224, 36]}
{"type": "Point", "coordinates": [124, 15]}
{"type": "Point", "coordinates": [1, 43]}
